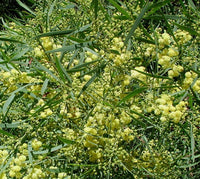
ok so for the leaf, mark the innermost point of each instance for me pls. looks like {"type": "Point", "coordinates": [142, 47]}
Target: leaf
{"type": "Point", "coordinates": [137, 21]}
{"type": "Point", "coordinates": [64, 49]}
{"type": "Point", "coordinates": [167, 16]}
{"type": "Point", "coordinates": [50, 103]}
{"type": "Point", "coordinates": [30, 152]}
{"type": "Point", "coordinates": [107, 16]}
{"type": "Point", "coordinates": [6, 133]}
{"type": "Point", "coordinates": [5, 166]}
{"type": "Point", "coordinates": [66, 141]}
{"type": "Point", "coordinates": [75, 70]}
{"type": "Point", "coordinates": [81, 29]}
{"type": "Point", "coordinates": [44, 86]}
{"type": "Point", "coordinates": [189, 165]}
{"type": "Point", "coordinates": [69, 6]}
{"type": "Point", "coordinates": [120, 9]}
{"type": "Point", "coordinates": [21, 88]}
{"type": "Point", "coordinates": [8, 102]}
{"type": "Point", "coordinates": [132, 94]}
{"type": "Point", "coordinates": [152, 75]}
{"type": "Point", "coordinates": [51, 8]}
{"type": "Point", "coordinates": [87, 84]}
{"type": "Point", "coordinates": [41, 67]}
{"type": "Point", "coordinates": [156, 6]}
{"type": "Point", "coordinates": [121, 17]}
{"type": "Point", "coordinates": [85, 27]}
{"type": "Point", "coordinates": [10, 40]}
{"type": "Point", "coordinates": [138, 121]}
{"type": "Point", "coordinates": [71, 47]}
{"type": "Point", "coordinates": [94, 4]}
{"type": "Point", "coordinates": [144, 40]}
{"type": "Point", "coordinates": [54, 33]}
{"type": "Point", "coordinates": [53, 149]}
{"type": "Point", "coordinates": [83, 65]}
{"type": "Point", "coordinates": [188, 29]}
{"type": "Point", "coordinates": [20, 53]}
{"type": "Point", "coordinates": [74, 39]}
{"type": "Point", "coordinates": [148, 120]}
{"type": "Point", "coordinates": [10, 125]}
{"type": "Point", "coordinates": [25, 7]}
{"type": "Point", "coordinates": [192, 142]}
{"type": "Point", "coordinates": [62, 72]}
{"type": "Point", "coordinates": [82, 165]}
{"type": "Point", "coordinates": [193, 6]}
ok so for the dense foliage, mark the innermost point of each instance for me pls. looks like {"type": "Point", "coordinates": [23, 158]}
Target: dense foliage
{"type": "Point", "coordinates": [101, 89]}
{"type": "Point", "coordinates": [16, 8]}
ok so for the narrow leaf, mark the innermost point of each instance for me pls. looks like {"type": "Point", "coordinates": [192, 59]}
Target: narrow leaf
{"type": "Point", "coordinates": [152, 75]}
{"type": "Point", "coordinates": [87, 84]}
{"type": "Point", "coordinates": [191, 3]}
{"type": "Point", "coordinates": [137, 21]}
{"type": "Point", "coordinates": [148, 120]}
{"type": "Point", "coordinates": [10, 40]}
{"type": "Point", "coordinates": [167, 16]}
{"type": "Point", "coordinates": [6, 133]}
{"type": "Point", "coordinates": [189, 165]}
{"type": "Point", "coordinates": [107, 16]}
{"type": "Point", "coordinates": [21, 88]}
{"type": "Point", "coordinates": [83, 65]}
{"type": "Point", "coordinates": [30, 152]}
{"type": "Point", "coordinates": [70, 47]}
{"type": "Point", "coordinates": [41, 67]}
{"type": "Point", "coordinates": [10, 125]}
{"type": "Point", "coordinates": [54, 33]}
{"type": "Point", "coordinates": [156, 6]}
{"type": "Point", "coordinates": [63, 49]}
{"type": "Point", "coordinates": [132, 94]}
{"type": "Point", "coordinates": [62, 72]}
{"type": "Point", "coordinates": [8, 103]}
{"type": "Point", "coordinates": [188, 29]}
{"type": "Point", "coordinates": [66, 141]}
{"type": "Point", "coordinates": [94, 4]}
{"type": "Point", "coordinates": [44, 86]}
{"type": "Point", "coordinates": [120, 9]}
{"type": "Point", "coordinates": [192, 142]}
{"type": "Point", "coordinates": [144, 40]}
{"type": "Point", "coordinates": [53, 149]}
{"type": "Point", "coordinates": [20, 54]}
{"type": "Point", "coordinates": [25, 7]}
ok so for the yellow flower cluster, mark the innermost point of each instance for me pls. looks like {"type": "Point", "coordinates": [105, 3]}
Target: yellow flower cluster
{"type": "Point", "coordinates": [183, 36]}
{"type": "Point", "coordinates": [191, 79]}
{"type": "Point", "coordinates": [46, 113]}
{"type": "Point", "coordinates": [101, 125]}
{"type": "Point", "coordinates": [137, 75]}
{"type": "Point", "coordinates": [118, 46]}
{"type": "Point", "coordinates": [158, 162]}
{"type": "Point", "coordinates": [175, 71]}
{"type": "Point", "coordinates": [11, 78]}
{"type": "Point", "coordinates": [169, 112]}
{"type": "Point", "coordinates": [3, 156]}
{"type": "Point", "coordinates": [36, 144]}
{"type": "Point", "coordinates": [3, 175]}
{"type": "Point", "coordinates": [150, 51]}
{"type": "Point", "coordinates": [164, 40]}
{"type": "Point", "coordinates": [47, 44]}
{"type": "Point", "coordinates": [16, 166]}
{"type": "Point", "coordinates": [34, 173]}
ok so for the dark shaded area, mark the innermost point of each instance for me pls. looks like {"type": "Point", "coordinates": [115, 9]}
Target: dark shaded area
{"type": "Point", "coordinates": [11, 9]}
